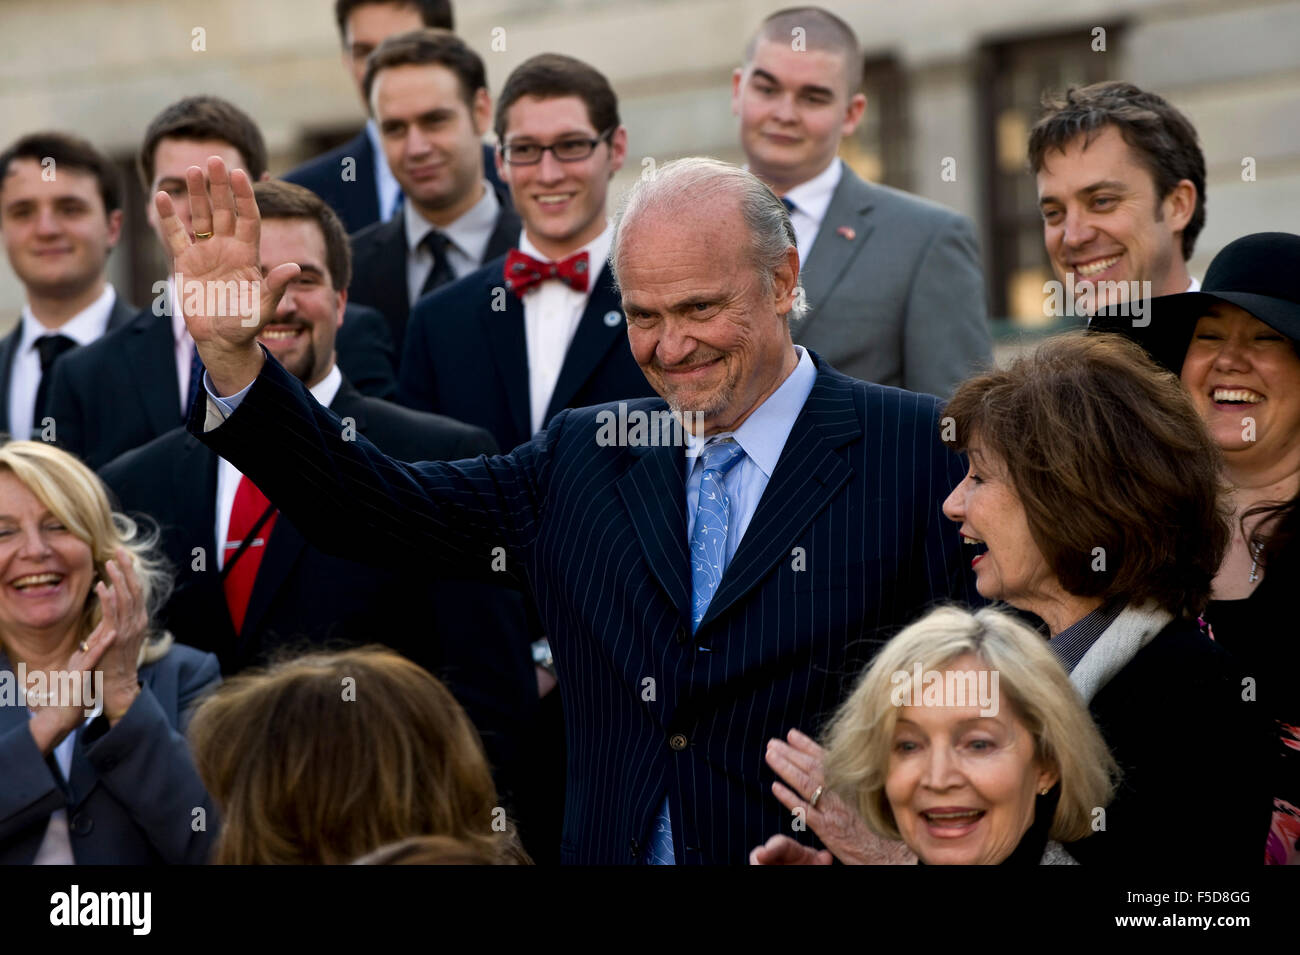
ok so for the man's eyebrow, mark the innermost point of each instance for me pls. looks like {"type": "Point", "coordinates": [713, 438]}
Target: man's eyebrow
{"type": "Point", "coordinates": [761, 74]}
{"type": "Point", "coordinates": [1104, 184]}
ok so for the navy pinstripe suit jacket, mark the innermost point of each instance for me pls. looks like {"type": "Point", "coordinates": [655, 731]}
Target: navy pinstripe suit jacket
{"type": "Point", "coordinates": [848, 545]}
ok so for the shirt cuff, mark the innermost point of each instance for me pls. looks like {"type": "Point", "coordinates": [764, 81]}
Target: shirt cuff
{"type": "Point", "coordinates": [219, 408]}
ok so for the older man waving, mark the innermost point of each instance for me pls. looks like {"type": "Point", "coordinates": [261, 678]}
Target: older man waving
{"type": "Point", "coordinates": [701, 595]}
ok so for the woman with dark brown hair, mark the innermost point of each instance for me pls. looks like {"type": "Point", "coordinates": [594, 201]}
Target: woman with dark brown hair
{"type": "Point", "coordinates": [1092, 502]}
{"type": "Point", "coordinates": [326, 757]}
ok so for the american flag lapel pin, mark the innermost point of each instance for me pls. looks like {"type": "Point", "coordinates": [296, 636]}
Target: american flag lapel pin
{"type": "Point", "coordinates": [847, 232]}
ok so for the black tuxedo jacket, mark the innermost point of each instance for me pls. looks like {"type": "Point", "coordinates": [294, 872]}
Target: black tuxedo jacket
{"type": "Point", "coordinates": [122, 313]}
{"type": "Point", "coordinates": [848, 545]}
{"type": "Point", "coordinates": [379, 264]}
{"type": "Point", "coordinates": [472, 634]}
{"type": "Point", "coordinates": [121, 391]}
{"type": "Point", "coordinates": [464, 359]}
{"type": "Point", "coordinates": [356, 200]}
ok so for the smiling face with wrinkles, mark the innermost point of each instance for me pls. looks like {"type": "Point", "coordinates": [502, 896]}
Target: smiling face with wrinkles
{"type": "Point", "coordinates": [711, 339]}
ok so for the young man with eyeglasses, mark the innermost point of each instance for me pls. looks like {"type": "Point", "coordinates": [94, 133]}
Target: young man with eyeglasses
{"type": "Point", "coordinates": [539, 329]}
{"type": "Point", "coordinates": [428, 95]}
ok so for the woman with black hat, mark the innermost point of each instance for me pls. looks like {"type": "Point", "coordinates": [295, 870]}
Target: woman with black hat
{"type": "Point", "coordinates": [1236, 346]}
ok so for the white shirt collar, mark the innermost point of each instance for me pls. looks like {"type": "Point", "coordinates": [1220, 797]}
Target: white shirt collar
{"type": "Point", "coordinates": [597, 252]}
{"type": "Point", "coordinates": [763, 435]}
{"type": "Point", "coordinates": [471, 233]}
{"type": "Point", "coordinates": [1194, 285]}
{"type": "Point", "coordinates": [813, 197]}
{"type": "Point", "coordinates": [83, 328]}
{"type": "Point", "coordinates": [325, 390]}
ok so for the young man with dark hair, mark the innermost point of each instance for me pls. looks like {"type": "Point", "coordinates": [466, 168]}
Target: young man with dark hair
{"type": "Point", "coordinates": [895, 292]}
{"type": "Point", "coordinates": [60, 216]}
{"type": "Point", "coordinates": [428, 95]}
{"type": "Point", "coordinates": [136, 383]}
{"type": "Point", "coordinates": [354, 178]}
{"type": "Point", "coordinates": [541, 328]}
{"type": "Point", "coordinates": [1121, 186]}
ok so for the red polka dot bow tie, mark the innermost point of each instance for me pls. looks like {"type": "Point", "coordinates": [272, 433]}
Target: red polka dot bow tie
{"type": "Point", "coordinates": [524, 272]}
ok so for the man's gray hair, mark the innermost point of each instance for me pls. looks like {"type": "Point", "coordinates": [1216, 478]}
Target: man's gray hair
{"type": "Point", "coordinates": [686, 181]}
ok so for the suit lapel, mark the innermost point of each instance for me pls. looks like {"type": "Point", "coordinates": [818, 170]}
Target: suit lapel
{"type": "Point", "coordinates": [505, 235]}
{"type": "Point", "coordinates": [8, 351]}
{"type": "Point", "coordinates": [808, 474]}
{"type": "Point", "coordinates": [843, 232]}
{"type": "Point", "coordinates": [597, 333]}
{"type": "Point", "coordinates": [151, 360]}
{"type": "Point", "coordinates": [123, 311]}
{"type": "Point", "coordinates": [368, 199]}
{"type": "Point", "coordinates": [506, 340]}
{"type": "Point", "coordinates": [654, 492]}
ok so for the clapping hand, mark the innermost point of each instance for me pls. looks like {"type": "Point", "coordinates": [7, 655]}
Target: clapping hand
{"type": "Point", "coordinates": [122, 603]}
{"type": "Point", "coordinates": [224, 296]}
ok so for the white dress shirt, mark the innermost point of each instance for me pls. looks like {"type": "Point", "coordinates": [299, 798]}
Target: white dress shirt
{"type": "Point", "coordinates": [552, 313]}
{"type": "Point", "coordinates": [811, 200]}
{"type": "Point", "coordinates": [83, 328]}
{"type": "Point", "coordinates": [1195, 285]}
{"type": "Point", "coordinates": [468, 237]}
{"type": "Point", "coordinates": [182, 343]}
{"type": "Point", "coordinates": [228, 475]}
{"type": "Point", "coordinates": [387, 187]}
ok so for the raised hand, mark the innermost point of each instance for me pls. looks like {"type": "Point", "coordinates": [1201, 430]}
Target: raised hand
{"type": "Point", "coordinates": [122, 603]}
{"type": "Point", "coordinates": [224, 296]}
{"type": "Point", "coordinates": [799, 762]}
{"type": "Point", "coordinates": [51, 722]}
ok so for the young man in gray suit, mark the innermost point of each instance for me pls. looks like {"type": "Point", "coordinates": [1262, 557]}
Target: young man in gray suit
{"type": "Point", "coordinates": [895, 294]}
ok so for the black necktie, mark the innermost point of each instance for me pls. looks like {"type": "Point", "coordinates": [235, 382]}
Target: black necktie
{"type": "Point", "coordinates": [789, 206]}
{"type": "Point", "coordinates": [441, 273]}
{"type": "Point", "coordinates": [50, 347]}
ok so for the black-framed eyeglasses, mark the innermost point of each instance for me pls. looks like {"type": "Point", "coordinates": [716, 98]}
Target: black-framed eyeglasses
{"type": "Point", "coordinates": [569, 149]}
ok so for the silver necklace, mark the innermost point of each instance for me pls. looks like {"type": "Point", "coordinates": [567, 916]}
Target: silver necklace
{"type": "Point", "coordinates": [1254, 563]}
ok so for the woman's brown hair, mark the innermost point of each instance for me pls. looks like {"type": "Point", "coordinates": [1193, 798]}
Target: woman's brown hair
{"type": "Point", "coordinates": [326, 757]}
{"type": "Point", "coordinates": [1117, 475]}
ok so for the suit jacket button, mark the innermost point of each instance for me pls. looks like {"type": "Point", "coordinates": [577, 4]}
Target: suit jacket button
{"type": "Point", "coordinates": [82, 824]}
{"type": "Point", "coordinates": [683, 636]}
{"type": "Point", "coordinates": [677, 741]}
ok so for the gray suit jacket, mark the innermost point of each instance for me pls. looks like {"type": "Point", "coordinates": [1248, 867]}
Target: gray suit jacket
{"type": "Point", "coordinates": [895, 292]}
{"type": "Point", "coordinates": [132, 789]}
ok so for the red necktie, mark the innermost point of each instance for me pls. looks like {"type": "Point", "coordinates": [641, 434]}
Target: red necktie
{"type": "Point", "coordinates": [250, 505]}
{"type": "Point", "coordinates": [523, 271]}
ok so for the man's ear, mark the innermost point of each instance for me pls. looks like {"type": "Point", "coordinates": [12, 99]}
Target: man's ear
{"type": "Point", "coordinates": [785, 282]}
{"type": "Point", "coordinates": [737, 77]}
{"type": "Point", "coordinates": [482, 111]}
{"type": "Point", "coordinates": [114, 228]}
{"type": "Point", "coordinates": [342, 307]}
{"type": "Point", "coordinates": [853, 115]}
{"type": "Point", "coordinates": [1180, 205]}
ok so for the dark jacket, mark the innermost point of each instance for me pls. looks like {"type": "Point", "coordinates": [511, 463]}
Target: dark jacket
{"type": "Point", "coordinates": [123, 311]}
{"type": "Point", "coordinates": [133, 792]}
{"type": "Point", "coordinates": [597, 533]}
{"type": "Point", "coordinates": [470, 633]}
{"type": "Point", "coordinates": [1190, 749]}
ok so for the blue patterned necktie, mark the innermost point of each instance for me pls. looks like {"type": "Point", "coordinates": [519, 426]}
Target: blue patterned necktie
{"type": "Point", "coordinates": [196, 380]}
{"type": "Point", "coordinates": [789, 206]}
{"type": "Point", "coordinates": [708, 562]}
{"type": "Point", "coordinates": [712, 521]}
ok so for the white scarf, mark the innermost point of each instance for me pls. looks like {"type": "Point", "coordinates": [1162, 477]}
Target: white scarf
{"type": "Point", "coordinates": [1132, 630]}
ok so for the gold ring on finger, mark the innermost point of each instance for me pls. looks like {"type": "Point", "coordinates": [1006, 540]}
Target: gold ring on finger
{"type": "Point", "coordinates": [817, 794]}
{"type": "Point", "coordinates": [84, 646]}
{"type": "Point", "coordinates": [203, 235]}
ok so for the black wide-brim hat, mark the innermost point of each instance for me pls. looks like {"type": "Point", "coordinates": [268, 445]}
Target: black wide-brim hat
{"type": "Point", "coordinates": [1259, 273]}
